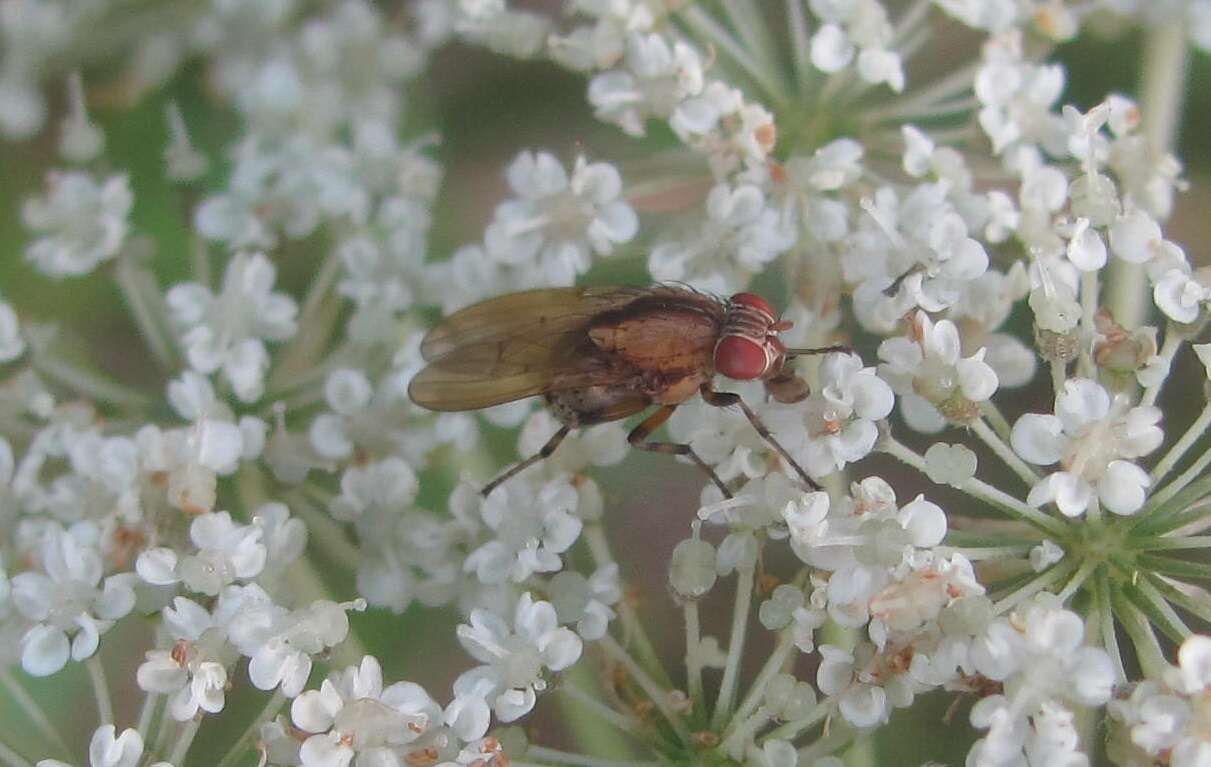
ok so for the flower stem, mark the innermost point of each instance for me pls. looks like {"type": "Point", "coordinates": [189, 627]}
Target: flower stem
{"type": "Point", "coordinates": [11, 758]}
{"type": "Point", "coordinates": [1004, 452]}
{"type": "Point", "coordinates": [619, 720]}
{"type": "Point", "coordinates": [709, 29]}
{"type": "Point", "coordinates": [1106, 623]}
{"type": "Point", "coordinates": [105, 705]}
{"type": "Point", "coordinates": [270, 710]}
{"type": "Point", "coordinates": [1179, 483]}
{"type": "Point", "coordinates": [1169, 347]}
{"type": "Point", "coordinates": [773, 666]}
{"type": "Point", "coordinates": [1033, 586]}
{"type": "Point", "coordinates": [658, 695]}
{"type": "Point", "coordinates": [792, 729]}
{"type": "Point", "coordinates": [1151, 657]}
{"type": "Point", "coordinates": [33, 710]}
{"type": "Point", "coordinates": [735, 647]}
{"type": "Point", "coordinates": [633, 630]}
{"type": "Point", "coordinates": [1196, 430]}
{"type": "Point", "coordinates": [184, 740]}
{"type": "Point", "coordinates": [693, 657]}
{"type": "Point", "coordinates": [979, 489]}
{"type": "Point", "coordinates": [148, 309]}
{"type": "Point", "coordinates": [1162, 89]}
{"type": "Point", "coordinates": [1089, 296]}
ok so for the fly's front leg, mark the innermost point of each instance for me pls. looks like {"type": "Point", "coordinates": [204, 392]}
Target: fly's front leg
{"type": "Point", "coordinates": [639, 436]}
{"type": "Point", "coordinates": [545, 452]}
{"type": "Point", "coordinates": [727, 399]}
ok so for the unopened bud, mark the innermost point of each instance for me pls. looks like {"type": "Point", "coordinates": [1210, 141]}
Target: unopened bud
{"type": "Point", "coordinates": [1056, 347]}
{"type": "Point", "coordinates": [692, 570]}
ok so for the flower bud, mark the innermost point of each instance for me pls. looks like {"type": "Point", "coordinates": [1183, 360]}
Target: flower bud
{"type": "Point", "coordinates": [692, 570]}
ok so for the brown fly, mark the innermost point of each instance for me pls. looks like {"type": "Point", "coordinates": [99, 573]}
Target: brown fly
{"type": "Point", "coordinates": [599, 354]}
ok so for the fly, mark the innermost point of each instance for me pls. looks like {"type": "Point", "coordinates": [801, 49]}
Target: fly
{"type": "Point", "coordinates": [599, 354]}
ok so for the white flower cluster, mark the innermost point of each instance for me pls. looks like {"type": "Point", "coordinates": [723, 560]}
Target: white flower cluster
{"type": "Point", "coordinates": [960, 226]}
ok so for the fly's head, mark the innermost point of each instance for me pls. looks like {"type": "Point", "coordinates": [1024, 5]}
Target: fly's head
{"type": "Point", "coordinates": [749, 348]}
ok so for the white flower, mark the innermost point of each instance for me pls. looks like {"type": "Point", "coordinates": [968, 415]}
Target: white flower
{"type": "Point", "coordinates": [1018, 97]}
{"type": "Point", "coordinates": [1180, 295]}
{"type": "Point", "coordinates": [109, 749]}
{"type": "Point", "coordinates": [532, 525]}
{"type": "Point", "coordinates": [859, 27]}
{"type": "Point", "coordinates": [586, 601]}
{"type": "Point", "coordinates": [933, 379]}
{"type": "Point", "coordinates": [1089, 436]}
{"type": "Point", "coordinates": [280, 643]}
{"type": "Point", "coordinates": [722, 125]}
{"type": "Point", "coordinates": [194, 670]}
{"type": "Point", "coordinates": [655, 77]}
{"type": "Point", "coordinates": [69, 600]}
{"type": "Point", "coordinates": [1167, 716]}
{"type": "Point", "coordinates": [912, 249]}
{"type": "Point", "coordinates": [227, 331]}
{"type": "Point", "coordinates": [226, 552]}
{"type": "Point", "coordinates": [354, 715]}
{"type": "Point", "coordinates": [558, 222]}
{"type": "Point", "coordinates": [80, 222]}
{"type": "Point", "coordinates": [1039, 656]}
{"type": "Point", "coordinates": [741, 235]}
{"type": "Point", "coordinates": [515, 657]}
{"type": "Point", "coordinates": [841, 415]}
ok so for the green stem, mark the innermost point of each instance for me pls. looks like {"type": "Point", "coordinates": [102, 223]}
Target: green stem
{"type": "Point", "coordinates": [655, 692]}
{"type": "Point", "coordinates": [1004, 452]}
{"type": "Point", "coordinates": [980, 490]}
{"type": "Point", "coordinates": [271, 709]}
{"type": "Point", "coordinates": [33, 710]}
{"type": "Point", "coordinates": [693, 657]}
{"type": "Point", "coordinates": [148, 309]}
{"type": "Point", "coordinates": [792, 729]}
{"type": "Point", "coordinates": [773, 666]}
{"type": "Point", "coordinates": [11, 758]}
{"type": "Point", "coordinates": [1033, 586]}
{"type": "Point", "coordinates": [1172, 342]}
{"type": "Point", "coordinates": [1151, 657]}
{"type": "Point", "coordinates": [709, 29]}
{"type": "Point", "coordinates": [633, 629]}
{"type": "Point", "coordinates": [1106, 624]}
{"type": "Point", "coordinates": [105, 705]}
{"type": "Point", "coordinates": [1162, 90]}
{"type": "Point", "coordinates": [1187, 440]}
{"type": "Point", "coordinates": [184, 740]}
{"type": "Point", "coordinates": [735, 648]}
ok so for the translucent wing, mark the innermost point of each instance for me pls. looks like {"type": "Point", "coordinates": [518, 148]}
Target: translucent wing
{"type": "Point", "coordinates": [493, 372]}
{"type": "Point", "coordinates": [543, 312]}
{"type": "Point", "coordinates": [517, 346]}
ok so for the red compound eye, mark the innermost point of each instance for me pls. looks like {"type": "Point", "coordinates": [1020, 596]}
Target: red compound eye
{"type": "Point", "coordinates": [741, 357]}
{"type": "Point", "coordinates": [754, 301]}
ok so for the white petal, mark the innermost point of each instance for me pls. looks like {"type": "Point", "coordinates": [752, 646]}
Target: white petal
{"type": "Point", "coordinates": [157, 566]}
{"type": "Point", "coordinates": [1122, 487]}
{"type": "Point", "coordinates": [831, 49]}
{"type": "Point", "coordinates": [44, 650]}
{"type": "Point", "coordinates": [1039, 438]}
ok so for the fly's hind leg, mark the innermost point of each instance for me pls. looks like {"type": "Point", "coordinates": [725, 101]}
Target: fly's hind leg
{"type": "Point", "coordinates": [542, 454]}
{"type": "Point", "coordinates": [639, 438]}
{"type": "Point", "coordinates": [727, 399]}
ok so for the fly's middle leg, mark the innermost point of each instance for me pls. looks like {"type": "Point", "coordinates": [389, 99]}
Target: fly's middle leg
{"type": "Point", "coordinates": [639, 438]}
{"type": "Point", "coordinates": [727, 399]}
